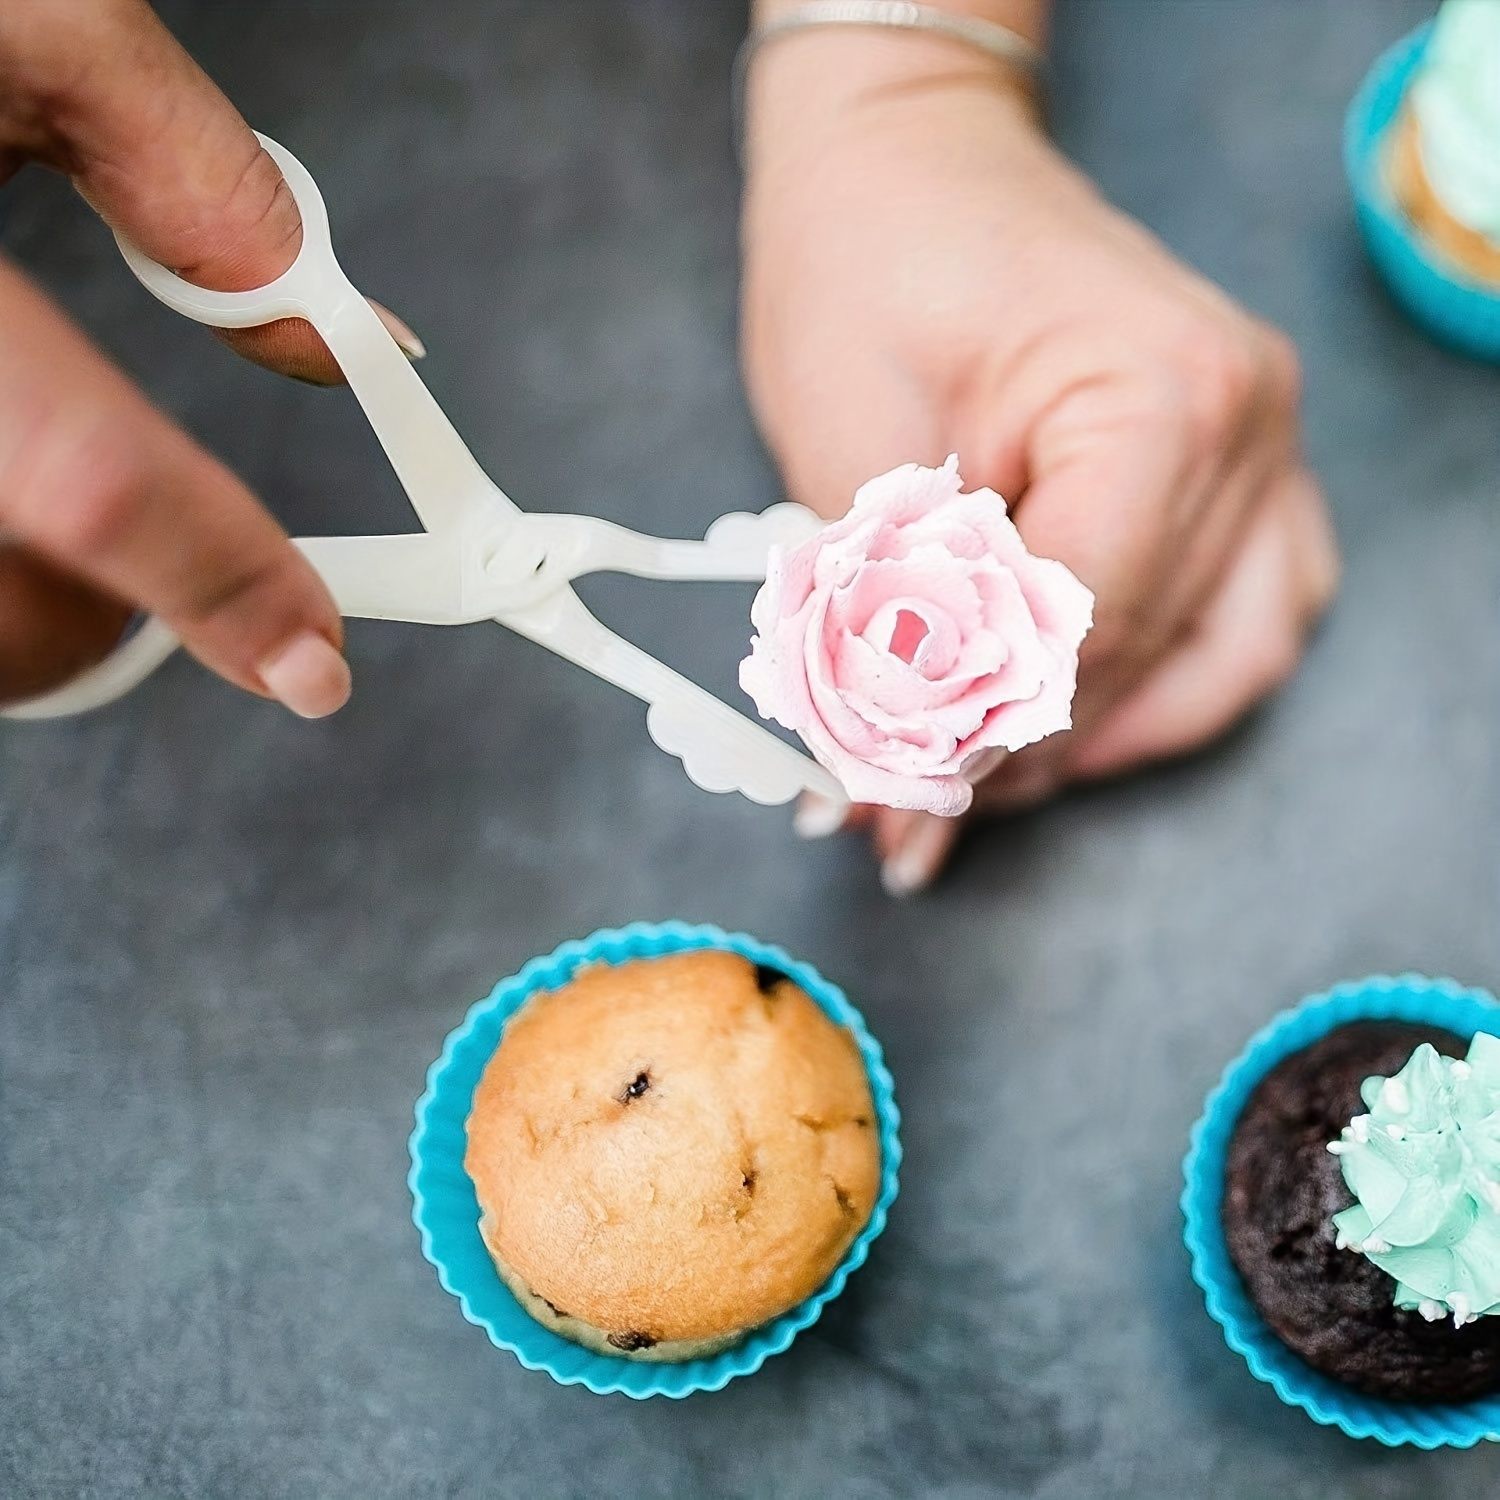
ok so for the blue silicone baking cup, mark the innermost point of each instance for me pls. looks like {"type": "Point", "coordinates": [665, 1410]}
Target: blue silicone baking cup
{"type": "Point", "coordinates": [1434, 1002]}
{"type": "Point", "coordinates": [1457, 310]}
{"type": "Point", "coordinates": [446, 1211]}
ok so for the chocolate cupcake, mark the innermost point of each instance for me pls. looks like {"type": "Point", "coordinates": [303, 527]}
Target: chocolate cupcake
{"type": "Point", "coordinates": [1285, 1196]}
{"type": "Point", "coordinates": [1331, 1193]}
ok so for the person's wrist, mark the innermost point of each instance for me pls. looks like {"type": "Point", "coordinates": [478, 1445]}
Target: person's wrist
{"type": "Point", "coordinates": [806, 89]}
{"type": "Point", "coordinates": [1027, 18]}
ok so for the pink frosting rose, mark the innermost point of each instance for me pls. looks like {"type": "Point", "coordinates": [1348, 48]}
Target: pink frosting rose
{"type": "Point", "coordinates": [914, 638]}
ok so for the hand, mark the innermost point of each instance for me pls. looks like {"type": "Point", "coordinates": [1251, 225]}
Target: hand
{"type": "Point", "coordinates": [105, 506]}
{"type": "Point", "coordinates": [924, 274]}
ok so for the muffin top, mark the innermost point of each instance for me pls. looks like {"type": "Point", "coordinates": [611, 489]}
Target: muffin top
{"type": "Point", "coordinates": [675, 1148]}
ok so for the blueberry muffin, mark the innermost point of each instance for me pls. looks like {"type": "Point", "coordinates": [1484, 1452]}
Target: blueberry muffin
{"type": "Point", "coordinates": [671, 1151]}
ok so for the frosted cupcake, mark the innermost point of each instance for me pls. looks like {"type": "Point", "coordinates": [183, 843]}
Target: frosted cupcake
{"type": "Point", "coordinates": [1362, 1209]}
{"type": "Point", "coordinates": [1443, 151]}
{"type": "Point", "coordinates": [1422, 152]}
{"type": "Point", "coordinates": [1339, 1211]}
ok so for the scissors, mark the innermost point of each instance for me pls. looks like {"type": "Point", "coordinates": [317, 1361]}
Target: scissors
{"type": "Point", "coordinates": [479, 557]}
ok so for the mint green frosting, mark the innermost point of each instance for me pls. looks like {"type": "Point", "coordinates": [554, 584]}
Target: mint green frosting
{"type": "Point", "coordinates": [1457, 101]}
{"type": "Point", "coordinates": [1424, 1165]}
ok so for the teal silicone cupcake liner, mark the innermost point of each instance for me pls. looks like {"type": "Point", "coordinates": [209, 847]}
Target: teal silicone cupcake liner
{"type": "Point", "coordinates": [1436, 1002]}
{"type": "Point", "coordinates": [1455, 309]}
{"type": "Point", "coordinates": [446, 1212]}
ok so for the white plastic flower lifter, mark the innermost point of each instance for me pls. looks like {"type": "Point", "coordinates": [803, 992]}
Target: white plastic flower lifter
{"type": "Point", "coordinates": [480, 557]}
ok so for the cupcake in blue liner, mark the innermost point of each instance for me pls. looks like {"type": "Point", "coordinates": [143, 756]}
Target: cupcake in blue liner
{"type": "Point", "coordinates": [1276, 1111]}
{"type": "Point", "coordinates": [1420, 156]}
{"type": "Point", "coordinates": [446, 1206]}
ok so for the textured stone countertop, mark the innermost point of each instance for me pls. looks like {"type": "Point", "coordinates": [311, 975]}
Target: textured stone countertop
{"type": "Point", "coordinates": [231, 943]}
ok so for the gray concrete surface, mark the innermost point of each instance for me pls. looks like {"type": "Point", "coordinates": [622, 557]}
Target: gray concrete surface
{"type": "Point", "coordinates": [230, 943]}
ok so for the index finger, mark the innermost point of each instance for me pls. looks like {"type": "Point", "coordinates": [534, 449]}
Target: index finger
{"type": "Point", "coordinates": [1112, 499]}
{"type": "Point", "coordinates": [1105, 510]}
{"type": "Point", "coordinates": [96, 480]}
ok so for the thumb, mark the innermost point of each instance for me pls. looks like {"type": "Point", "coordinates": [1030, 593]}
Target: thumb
{"type": "Point", "coordinates": [163, 156]}
{"type": "Point", "coordinates": [1100, 507]}
{"type": "Point", "coordinates": [1114, 504]}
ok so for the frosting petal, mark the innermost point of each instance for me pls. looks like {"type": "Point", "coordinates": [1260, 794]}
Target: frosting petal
{"type": "Point", "coordinates": [1424, 1167]}
{"type": "Point", "coordinates": [913, 635]}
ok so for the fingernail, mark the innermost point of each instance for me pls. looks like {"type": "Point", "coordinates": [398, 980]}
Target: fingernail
{"type": "Point", "coordinates": [977, 767]}
{"type": "Point", "coordinates": [817, 817]}
{"type": "Point", "coordinates": [411, 346]}
{"type": "Point", "coordinates": [912, 864]}
{"type": "Point", "coordinates": [309, 677]}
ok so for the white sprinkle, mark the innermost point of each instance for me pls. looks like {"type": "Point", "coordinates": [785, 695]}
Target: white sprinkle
{"type": "Point", "coordinates": [1461, 1314]}
{"type": "Point", "coordinates": [1431, 1310]}
{"type": "Point", "coordinates": [1393, 1092]}
{"type": "Point", "coordinates": [1460, 1069]}
{"type": "Point", "coordinates": [1374, 1245]}
{"type": "Point", "coordinates": [1359, 1128]}
{"type": "Point", "coordinates": [1338, 1148]}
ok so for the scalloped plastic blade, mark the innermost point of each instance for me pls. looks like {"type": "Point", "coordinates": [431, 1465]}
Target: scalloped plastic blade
{"type": "Point", "coordinates": [723, 751]}
{"type": "Point", "coordinates": [720, 749]}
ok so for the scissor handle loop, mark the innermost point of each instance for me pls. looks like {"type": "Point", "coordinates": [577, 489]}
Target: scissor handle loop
{"type": "Point", "coordinates": [306, 289]}
{"type": "Point", "coordinates": [128, 665]}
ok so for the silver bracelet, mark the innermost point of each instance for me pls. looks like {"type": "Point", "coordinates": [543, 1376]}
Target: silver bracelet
{"type": "Point", "coordinates": [901, 15]}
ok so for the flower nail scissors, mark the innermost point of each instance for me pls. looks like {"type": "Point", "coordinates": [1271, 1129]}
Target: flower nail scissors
{"type": "Point", "coordinates": [480, 557]}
